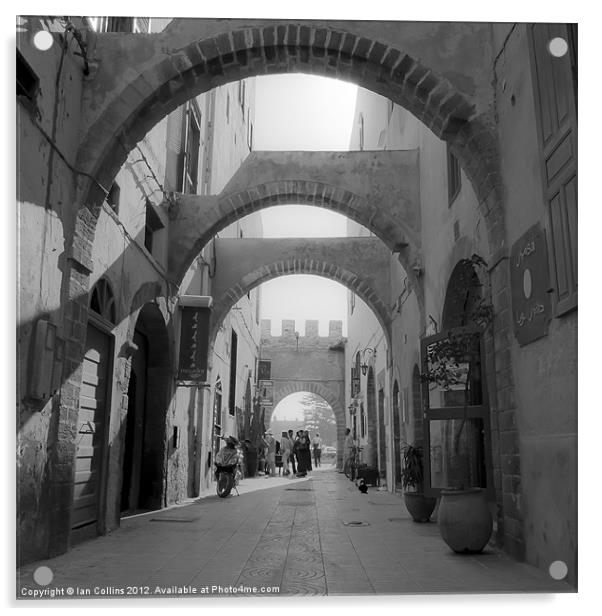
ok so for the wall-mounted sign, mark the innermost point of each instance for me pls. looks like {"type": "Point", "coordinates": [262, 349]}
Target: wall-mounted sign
{"type": "Point", "coordinates": [264, 370]}
{"type": "Point", "coordinates": [194, 342]}
{"type": "Point", "coordinates": [530, 285]}
{"type": "Point", "coordinates": [266, 393]}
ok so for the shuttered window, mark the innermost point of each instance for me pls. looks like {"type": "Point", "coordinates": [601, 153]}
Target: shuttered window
{"type": "Point", "coordinates": [555, 97]}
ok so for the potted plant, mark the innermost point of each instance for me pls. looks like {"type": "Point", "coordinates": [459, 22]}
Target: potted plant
{"type": "Point", "coordinates": [419, 506]}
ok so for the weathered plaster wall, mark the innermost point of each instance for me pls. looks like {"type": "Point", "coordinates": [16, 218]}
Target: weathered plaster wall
{"type": "Point", "coordinates": [545, 371]}
{"type": "Point", "coordinates": [47, 142]}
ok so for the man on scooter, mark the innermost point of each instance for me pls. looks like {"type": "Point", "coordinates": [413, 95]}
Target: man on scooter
{"type": "Point", "coordinates": [228, 455]}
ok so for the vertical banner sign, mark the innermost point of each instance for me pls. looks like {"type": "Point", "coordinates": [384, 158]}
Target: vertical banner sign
{"type": "Point", "coordinates": [266, 393]}
{"type": "Point", "coordinates": [264, 370]}
{"type": "Point", "coordinates": [194, 341]}
{"type": "Point", "coordinates": [530, 284]}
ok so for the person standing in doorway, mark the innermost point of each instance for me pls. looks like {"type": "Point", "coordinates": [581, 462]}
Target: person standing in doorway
{"type": "Point", "coordinates": [270, 456]}
{"type": "Point", "coordinates": [316, 445]}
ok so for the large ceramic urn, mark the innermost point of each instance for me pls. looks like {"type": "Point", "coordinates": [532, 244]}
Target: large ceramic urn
{"type": "Point", "coordinates": [464, 520]}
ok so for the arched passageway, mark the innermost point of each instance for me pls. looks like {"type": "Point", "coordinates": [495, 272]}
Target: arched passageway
{"type": "Point", "coordinates": [380, 190]}
{"type": "Point", "coordinates": [449, 92]}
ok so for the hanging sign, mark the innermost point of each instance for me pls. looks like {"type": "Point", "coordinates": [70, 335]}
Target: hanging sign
{"type": "Point", "coordinates": [264, 370]}
{"type": "Point", "coordinates": [194, 341]}
{"type": "Point", "coordinates": [266, 393]}
{"type": "Point", "coordinates": [530, 285]}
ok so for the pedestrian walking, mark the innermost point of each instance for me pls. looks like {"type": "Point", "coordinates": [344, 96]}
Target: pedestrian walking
{"type": "Point", "coordinates": [303, 454]}
{"type": "Point", "coordinates": [291, 438]}
{"type": "Point", "coordinates": [286, 449]}
{"type": "Point", "coordinates": [307, 450]}
{"type": "Point", "coordinates": [270, 458]}
{"type": "Point", "coordinates": [301, 471]}
{"type": "Point", "coordinates": [316, 444]}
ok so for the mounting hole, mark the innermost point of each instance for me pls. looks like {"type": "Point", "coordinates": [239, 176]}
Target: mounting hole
{"type": "Point", "coordinates": [558, 570]}
{"type": "Point", "coordinates": [43, 40]}
{"type": "Point", "coordinates": [43, 576]}
{"type": "Point", "coordinates": [558, 47]}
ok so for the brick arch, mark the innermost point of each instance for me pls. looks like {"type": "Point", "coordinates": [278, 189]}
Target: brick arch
{"type": "Point", "coordinates": [356, 283]}
{"type": "Point", "coordinates": [190, 58]}
{"type": "Point", "coordinates": [281, 391]}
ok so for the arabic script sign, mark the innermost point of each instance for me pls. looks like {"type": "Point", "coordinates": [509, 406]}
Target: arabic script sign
{"type": "Point", "coordinates": [530, 284]}
{"type": "Point", "coordinates": [194, 339]}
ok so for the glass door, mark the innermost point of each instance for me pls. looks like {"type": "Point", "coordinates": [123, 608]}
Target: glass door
{"type": "Point", "coordinates": [456, 412]}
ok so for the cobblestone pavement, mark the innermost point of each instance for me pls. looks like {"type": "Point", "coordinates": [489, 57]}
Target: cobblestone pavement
{"type": "Point", "coordinates": [293, 534]}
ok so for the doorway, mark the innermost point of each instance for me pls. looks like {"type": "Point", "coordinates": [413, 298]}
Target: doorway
{"type": "Point", "coordinates": [92, 418]}
{"type": "Point", "coordinates": [145, 442]}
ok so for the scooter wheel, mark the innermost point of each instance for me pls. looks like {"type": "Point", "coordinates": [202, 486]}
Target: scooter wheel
{"type": "Point", "coordinates": [224, 485]}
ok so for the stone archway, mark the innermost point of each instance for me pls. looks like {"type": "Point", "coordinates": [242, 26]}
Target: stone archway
{"type": "Point", "coordinates": [284, 389]}
{"type": "Point", "coordinates": [380, 190]}
{"type": "Point", "coordinates": [449, 92]}
{"type": "Point", "coordinates": [360, 264]}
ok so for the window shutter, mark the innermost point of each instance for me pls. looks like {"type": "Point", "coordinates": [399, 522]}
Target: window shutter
{"type": "Point", "coordinates": [557, 122]}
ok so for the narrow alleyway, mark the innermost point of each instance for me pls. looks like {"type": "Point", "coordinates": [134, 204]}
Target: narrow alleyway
{"type": "Point", "coordinates": [294, 535]}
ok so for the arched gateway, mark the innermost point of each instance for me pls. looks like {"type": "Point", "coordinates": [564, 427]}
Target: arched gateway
{"type": "Point", "coordinates": [308, 363]}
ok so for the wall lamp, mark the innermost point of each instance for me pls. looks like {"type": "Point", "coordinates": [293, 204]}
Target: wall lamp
{"type": "Point", "coordinates": [364, 365]}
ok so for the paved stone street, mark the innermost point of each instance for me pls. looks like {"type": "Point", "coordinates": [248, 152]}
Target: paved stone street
{"type": "Point", "coordinates": [293, 534]}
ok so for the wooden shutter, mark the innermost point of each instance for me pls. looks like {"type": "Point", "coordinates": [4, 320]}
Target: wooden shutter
{"type": "Point", "coordinates": [555, 95]}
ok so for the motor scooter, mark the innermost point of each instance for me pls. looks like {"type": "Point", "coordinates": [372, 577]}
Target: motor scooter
{"type": "Point", "coordinates": [227, 477]}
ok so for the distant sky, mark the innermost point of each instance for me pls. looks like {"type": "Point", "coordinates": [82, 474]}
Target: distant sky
{"type": "Point", "coordinates": [303, 112]}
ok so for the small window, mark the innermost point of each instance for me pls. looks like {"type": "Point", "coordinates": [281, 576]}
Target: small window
{"type": "Point", "coordinates": [113, 197]}
{"type": "Point", "coordinates": [192, 146]}
{"type": "Point", "coordinates": [102, 301]}
{"type": "Point", "coordinates": [27, 81]}
{"type": "Point", "coordinates": [454, 177]}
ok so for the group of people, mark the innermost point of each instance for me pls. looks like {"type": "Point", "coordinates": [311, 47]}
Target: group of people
{"type": "Point", "coordinates": [295, 449]}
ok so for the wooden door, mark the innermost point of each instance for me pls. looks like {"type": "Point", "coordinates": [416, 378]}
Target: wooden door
{"type": "Point", "coordinates": [91, 425]}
